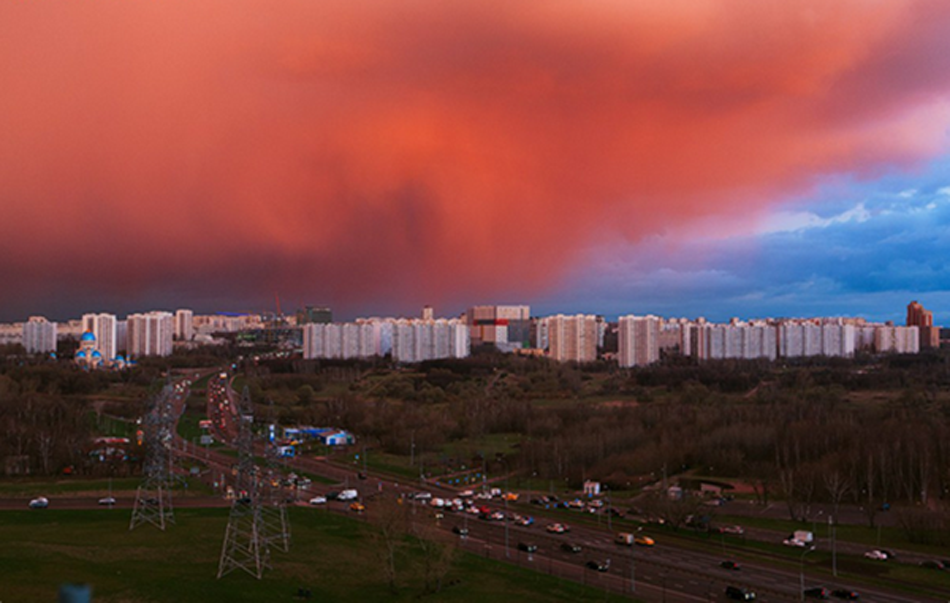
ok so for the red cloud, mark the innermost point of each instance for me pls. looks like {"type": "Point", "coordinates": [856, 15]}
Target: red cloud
{"type": "Point", "coordinates": [426, 150]}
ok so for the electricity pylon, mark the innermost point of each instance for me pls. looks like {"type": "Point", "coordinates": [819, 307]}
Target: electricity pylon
{"type": "Point", "coordinates": [245, 543]}
{"type": "Point", "coordinates": [153, 498]}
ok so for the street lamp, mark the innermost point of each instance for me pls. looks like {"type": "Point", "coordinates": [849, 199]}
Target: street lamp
{"type": "Point", "coordinates": [834, 548]}
{"type": "Point", "coordinates": [633, 574]}
{"type": "Point", "coordinates": [801, 574]}
{"type": "Point", "coordinates": [505, 496]}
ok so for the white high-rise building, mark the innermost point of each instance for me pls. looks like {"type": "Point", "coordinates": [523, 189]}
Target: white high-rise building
{"type": "Point", "coordinates": [184, 325]}
{"type": "Point", "coordinates": [572, 338]}
{"type": "Point", "coordinates": [419, 340]}
{"type": "Point", "coordinates": [899, 340]}
{"type": "Point", "coordinates": [638, 340]}
{"type": "Point", "coordinates": [103, 326]}
{"type": "Point", "coordinates": [39, 335]}
{"type": "Point", "coordinates": [150, 334]}
{"type": "Point", "coordinates": [364, 338]}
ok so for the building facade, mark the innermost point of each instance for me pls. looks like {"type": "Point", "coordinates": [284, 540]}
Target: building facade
{"type": "Point", "coordinates": [638, 340]}
{"type": "Point", "coordinates": [39, 335]}
{"type": "Point", "coordinates": [150, 334]}
{"type": "Point", "coordinates": [104, 327]}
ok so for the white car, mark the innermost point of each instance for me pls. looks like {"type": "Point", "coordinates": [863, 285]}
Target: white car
{"type": "Point", "coordinates": [40, 502]}
{"type": "Point", "coordinates": [876, 555]}
{"type": "Point", "coordinates": [794, 542]}
{"type": "Point", "coordinates": [557, 528]}
{"type": "Point", "coordinates": [318, 500]}
{"type": "Point", "coordinates": [107, 501]}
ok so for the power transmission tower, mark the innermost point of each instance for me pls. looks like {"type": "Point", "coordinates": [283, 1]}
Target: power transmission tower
{"type": "Point", "coordinates": [153, 498]}
{"type": "Point", "coordinates": [273, 500]}
{"type": "Point", "coordinates": [245, 544]}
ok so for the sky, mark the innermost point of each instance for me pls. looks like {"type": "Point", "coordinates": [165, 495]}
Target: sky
{"type": "Point", "coordinates": [683, 158]}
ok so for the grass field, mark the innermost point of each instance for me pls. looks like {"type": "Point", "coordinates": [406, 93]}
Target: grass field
{"type": "Point", "coordinates": [85, 487]}
{"type": "Point", "coordinates": [332, 556]}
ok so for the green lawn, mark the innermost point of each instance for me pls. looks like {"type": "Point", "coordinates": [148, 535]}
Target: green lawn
{"type": "Point", "coordinates": [105, 425]}
{"type": "Point", "coordinates": [19, 487]}
{"type": "Point", "coordinates": [81, 487]}
{"type": "Point", "coordinates": [331, 555]}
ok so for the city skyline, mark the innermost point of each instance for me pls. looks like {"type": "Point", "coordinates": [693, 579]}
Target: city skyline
{"type": "Point", "coordinates": [678, 160]}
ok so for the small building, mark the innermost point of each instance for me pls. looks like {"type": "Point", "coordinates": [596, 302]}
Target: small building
{"type": "Point", "coordinates": [337, 437]}
{"type": "Point", "coordinates": [591, 488]}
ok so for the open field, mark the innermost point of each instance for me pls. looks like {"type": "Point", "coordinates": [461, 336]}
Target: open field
{"type": "Point", "coordinates": [333, 556]}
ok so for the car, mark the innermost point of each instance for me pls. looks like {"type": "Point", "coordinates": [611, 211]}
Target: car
{"type": "Point", "coordinates": [570, 547]}
{"type": "Point", "coordinates": [844, 593]}
{"type": "Point", "coordinates": [816, 592]}
{"type": "Point", "coordinates": [730, 565]}
{"type": "Point", "coordinates": [794, 542]}
{"type": "Point", "coordinates": [524, 520]}
{"type": "Point", "coordinates": [598, 565]}
{"type": "Point", "coordinates": [527, 547]}
{"type": "Point", "coordinates": [614, 512]}
{"type": "Point", "coordinates": [357, 507]}
{"type": "Point", "coordinates": [556, 528]}
{"type": "Point", "coordinates": [876, 555]}
{"type": "Point", "coordinates": [333, 495]}
{"type": "Point", "coordinates": [734, 530]}
{"type": "Point", "coordinates": [40, 502]}
{"type": "Point", "coordinates": [318, 500]}
{"type": "Point", "coordinates": [932, 564]}
{"type": "Point", "coordinates": [644, 541]}
{"type": "Point", "coordinates": [107, 501]}
{"type": "Point", "coordinates": [739, 593]}
{"type": "Point", "coordinates": [461, 531]}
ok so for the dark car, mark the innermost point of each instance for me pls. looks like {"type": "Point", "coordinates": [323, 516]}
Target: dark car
{"type": "Point", "coordinates": [739, 594]}
{"type": "Point", "coordinates": [460, 530]}
{"type": "Point", "coordinates": [817, 592]}
{"type": "Point", "coordinates": [933, 564]}
{"type": "Point", "coordinates": [570, 547]}
{"type": "Point", "coordinates": [333, 495]}
{"type": "Point", "coordinates": [597, 565]}
{"type": "Point", "coordinates": [730, 565]}
{"type": "Point", "coordinates": [847, 595]}
{"type": "Point", "coordinates": [527, 547]}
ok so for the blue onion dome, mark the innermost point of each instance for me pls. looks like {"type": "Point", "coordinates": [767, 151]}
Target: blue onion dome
{"type": "Point", "coordinates": [87, 336]}
{"type": "Point", "coordinates": [119, 358]}
{"type": "Point", "coordinates": [96, 354]}
{"type": "Point", "coordinates": [80, 354]}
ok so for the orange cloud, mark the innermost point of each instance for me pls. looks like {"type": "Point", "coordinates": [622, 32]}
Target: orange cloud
{"type": "Point", "coordinates": [424, 151]}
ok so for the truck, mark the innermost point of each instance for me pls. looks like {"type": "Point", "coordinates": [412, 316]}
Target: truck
{"type": "Point", "coordinates": [348, 494]}
{"type": "Point", "coordinates": [803, 536]}
{"type": "Point", "coordinates": [626, 538]}
{"type": "Point", "coordinates": [799, 538]}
